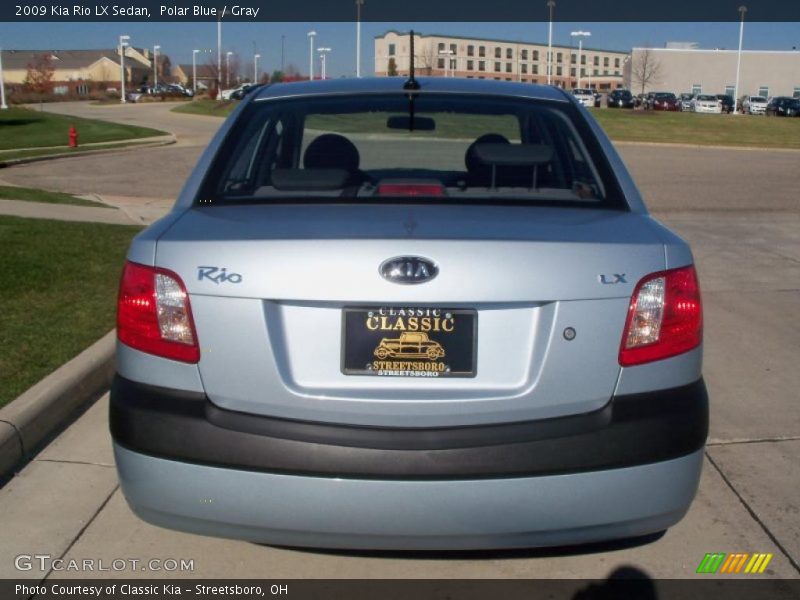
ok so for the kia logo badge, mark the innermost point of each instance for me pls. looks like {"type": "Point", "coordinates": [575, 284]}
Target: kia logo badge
{"type": "Point", "coordinates": [408, 269]}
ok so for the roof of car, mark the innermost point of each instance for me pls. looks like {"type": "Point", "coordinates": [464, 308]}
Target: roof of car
{"type": "Point", "coordinates": [372, 85]}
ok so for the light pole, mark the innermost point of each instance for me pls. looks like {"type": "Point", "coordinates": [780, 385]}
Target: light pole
{"type": "Point", "coordinates": [742, 11]}
{"type": "Point", "coordinates": [580, 35]}
{"type": "Point", "coordinates": [156, 48]}
{"type": "Point", "coordinates": [219, 57]}
{"type": "Point", "coordinates": [255, 67]}
{"type": "Point", "coordinates": [228, 68]}
{"type": "Point", "coordinates": [3, 105]}
{"type": "Point", "coordinates": [359, 4]}
{"type": "Point", "coordinates": [322, 53]}
{"type": "Point", "coordinates": [447, 54]}
{"type": "Point", "coordinates": [311, 35]}
{"type": "Point", "coordinates": [194, 70]}
{"type": "Point", "coordinates": [123, 43]}
{"type": "Point", "coordinates": [551, 5]}
{"type": "Point", "coordinates": [283, 44]}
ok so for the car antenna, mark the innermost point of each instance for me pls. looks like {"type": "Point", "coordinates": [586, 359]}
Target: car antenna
{"type": "Point", "coordinates": [411, 84]}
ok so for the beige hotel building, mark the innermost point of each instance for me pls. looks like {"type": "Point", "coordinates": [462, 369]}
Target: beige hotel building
{"type": "Point", "coordinates": [502, 60]}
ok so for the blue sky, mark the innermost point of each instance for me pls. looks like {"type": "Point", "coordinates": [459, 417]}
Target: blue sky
{"type": "Point", "coordinates": [178, 39]}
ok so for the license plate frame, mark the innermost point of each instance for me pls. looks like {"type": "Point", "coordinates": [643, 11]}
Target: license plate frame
{"type": "Point", "coordinates": [409, 342]}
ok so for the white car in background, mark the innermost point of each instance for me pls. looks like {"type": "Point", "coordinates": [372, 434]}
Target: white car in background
{"type": "Point", "coordinates": [686, 101]}
{"type": "Point", "coordinates": [754, 105]}
{"type": "Point", "coordinates": [706, 103]}
{"type": "Point", "coordinates": [226, 94]}
{"type": "Point", "coordinates": [585, 96]}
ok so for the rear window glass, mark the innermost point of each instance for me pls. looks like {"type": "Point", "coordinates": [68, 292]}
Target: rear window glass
{"type": "Point", "coordinates": [370, 147]}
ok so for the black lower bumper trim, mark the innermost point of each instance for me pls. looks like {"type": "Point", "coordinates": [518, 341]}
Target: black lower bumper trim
{"type": "Point", "coordinates": [631, 430]}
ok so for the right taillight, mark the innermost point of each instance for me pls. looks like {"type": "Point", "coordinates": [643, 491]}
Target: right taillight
{"type": "Point", "coordinates": [665, 317]}
{"type": "Point", "coordinates": [154, 314]}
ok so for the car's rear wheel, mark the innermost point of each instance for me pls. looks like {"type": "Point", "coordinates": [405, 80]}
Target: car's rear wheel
{"type": "Point", "coordinates": [381, 353]}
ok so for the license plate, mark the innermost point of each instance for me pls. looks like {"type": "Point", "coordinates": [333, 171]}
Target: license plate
{"type": "Point", "coordinates": [409, 342]}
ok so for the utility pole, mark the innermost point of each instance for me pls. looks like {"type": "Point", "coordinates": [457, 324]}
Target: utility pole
{"type": "Point", "coordinates": [3, 105]}
{"type": "Point", "coordinates": [359, 4]}
{"type": "Point", "coordinates": [742, 11]}
{"type": "Point", "coordinates": [550, 4]}
{"type": "Point", "coordinates": [123, 42]}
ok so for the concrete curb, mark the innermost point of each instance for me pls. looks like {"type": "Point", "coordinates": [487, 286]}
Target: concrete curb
{"type": "Point", "coordinates": [133, 146]}
{"type": "Point", "coordinates": [32, 417]}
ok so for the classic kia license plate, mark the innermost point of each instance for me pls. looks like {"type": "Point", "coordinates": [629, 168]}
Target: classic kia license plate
{"type": "Point", "coordinates": [409, 342]}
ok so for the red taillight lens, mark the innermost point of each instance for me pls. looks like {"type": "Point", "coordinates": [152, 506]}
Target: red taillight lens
{"type": "Point", "coordinates": [410, 189]}
{"type": "Point", "coordinates": [154, 314]}
{"type": "Point", "coordinates": [665, 317]}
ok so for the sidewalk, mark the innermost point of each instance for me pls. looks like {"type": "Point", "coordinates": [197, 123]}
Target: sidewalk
{"type": "Point", "coordinates": [121, 211]}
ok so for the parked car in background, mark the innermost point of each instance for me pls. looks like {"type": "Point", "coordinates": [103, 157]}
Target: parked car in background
{"type": "Point", "coordinates": [598, 99]}
{"type": "Point", "coordinates": [620, 99]}
{"type": "Point", "coordinates": [726, 103]}
{"type": "Point", "coordinates": [241, 92]}
{"type": "Point", "coordinates": [686, 101]}
{"type": "Point", "coordinates": [384, 342]}
{"type": "Point", "coordinates": [754, 105]}
{"type": "Point", "coordinates": [179, 89]}
{"type": "Point", "coordinates": [665, 101]}
{"type": "Point", "coordinates": [706, 103]}
{"type": "Point", "coordinates": [794, 107]}
{"type": "Point", "coordinates": [641, 100]}
{"type": "Point", "coordinates": [584, 95]}
{"type": "Point", "coordinates": [228, 94]}
{"type": "Point", "coordinates": [781, 106]}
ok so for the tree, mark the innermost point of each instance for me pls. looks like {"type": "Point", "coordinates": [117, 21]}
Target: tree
{"type": "Point", "coordinates": [277, 76]}
{"type": "Point", "coordinates": [39, 77]}
{"type": "Point", "coordinates": [392, 68]}
{"type": "Point", "coordinates": [645, 69]}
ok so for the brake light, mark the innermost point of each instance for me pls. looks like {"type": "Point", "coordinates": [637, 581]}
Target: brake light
{"type": "Point", "coordinates": [665, 317]}
{"type": "Point", "coordinates": [411, 189]}
{"type": "Point", "coordinates": [154, 314]}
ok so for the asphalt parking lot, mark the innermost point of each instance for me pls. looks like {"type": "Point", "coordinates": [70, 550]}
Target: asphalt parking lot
{"type": "Point", "coordinates": [738, 208]}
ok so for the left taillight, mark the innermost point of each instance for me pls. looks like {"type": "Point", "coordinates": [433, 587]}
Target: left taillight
{"type": "Point", "coordinates": [665, 317]}
{"type": "Point", "coordinates": [154, 314]}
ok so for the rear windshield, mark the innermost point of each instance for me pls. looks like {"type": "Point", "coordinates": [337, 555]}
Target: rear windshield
{"type": "Point", "coordinates": [371, 148]}
{"type": "Point", "coordinates": [665, 96]}
{"type": "Point", "coordinates": [757, 99]}
{"type": "Point", "coordinates": [707, 98]}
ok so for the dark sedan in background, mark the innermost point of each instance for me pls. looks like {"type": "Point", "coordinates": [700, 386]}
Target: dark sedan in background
{"type": "Point", "coordinates": [620, 99]}
{"type": "Point", "coordinates": [665, 101]}
{"type": "Point", "coordinates": [783, 106]}
{"type": "Point", "coordinates": [726, 103]}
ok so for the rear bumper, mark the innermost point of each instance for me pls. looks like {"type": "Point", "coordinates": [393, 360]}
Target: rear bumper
{"type": "Point", "coordinates": [468, 514]}
{"type": "Point", "coordinates": [629, 431]}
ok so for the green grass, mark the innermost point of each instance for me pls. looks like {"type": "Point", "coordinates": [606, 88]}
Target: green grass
{"type": "Point", "coordinates": [208, 107]}
{"type": "Point", "coordinates": [6, 155]}
{"type": "Point", "coordinates": [8, 192]}
{"type": "Point", "coordinates": [59, 294]}
{"type": "Point", "coordinates": [25, 128]}
{"type": "Point", "coordinates": [692, 128]}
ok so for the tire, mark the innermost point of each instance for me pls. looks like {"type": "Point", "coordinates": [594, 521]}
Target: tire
{"type": "Point", "coordinates": [382, 353]}
{"type": "Point", "coordinates": [433, 353]}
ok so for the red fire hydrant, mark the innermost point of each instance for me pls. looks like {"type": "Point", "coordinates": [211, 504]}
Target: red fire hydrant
{"type": "Point", "coordinates": [73, 137]}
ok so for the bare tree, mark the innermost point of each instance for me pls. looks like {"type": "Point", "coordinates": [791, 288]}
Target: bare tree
{"type": "Point", "coordinates": [425, 59]}
{"type": "Point", "coordinates": [39, 77]}
{"type": "Point", "coordinates": [645, 69]}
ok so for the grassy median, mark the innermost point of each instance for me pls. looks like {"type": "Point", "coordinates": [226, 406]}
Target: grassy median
{"type": "Point", "coordinates": [9, 192]}
{"type": "Point", "coordinates": [692, 128]}
{"type": "Point", "coordinates": [207, 107]}
{"type": "Point", "coordinates": [59, 294]}
{"type": "Point", "coordinates": [26, 128]}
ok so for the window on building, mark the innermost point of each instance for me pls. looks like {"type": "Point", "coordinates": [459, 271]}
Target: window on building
{"type": "Point", "coordinates": [535, 70]}
{"type": "Point", "coordinates": [441, 47]}
{"type": "Point", "coordinates": [764, 91]}
{"type": "Point", "coordinates": [583, 59]}
{"type": "Point", "coordinates": [559, 71]}
{"type": "Point", "coordinates": [573, 58]}
{"type": "Point", "coordinates": [730, 90]}
{"type": "Point", "coordinates": [560, 57]}
{"type": "Point", "coordinates": [616, 63]}
{"type": "Point", "coordinates": [572, 71]}
{"type": "Point", "coordinates": [535, 55]}
{"type": "Point", "coordinates": [392, 49]}
{"type": "Point", "coordinates": [509, 53]}
{"type": "Point", "coordinates": [524, 54]}
{"type": "Point", "coordinates": [440, 63]}
{"type": "Point", "coordinates": [481, 50]}
{"type": "Point", "coordinates": [497, 66]}
{"type": "Point", "coordinates": [583, 72]}
{"type": "Point", "coordinates": [453, 48]}
{"type": "Point", "coordinates": [470, 65]}
{"type": "Point", "coordinates": [605, 71]}
{"type": "Point", "coordinates": [524, 68]}
{"type": "Point", "coordinates": [605, 61]}
{"type": "Point", "coordinates": [597, 71]}
{"type": "Point", "coordinates": [498, 52]}
{"type": "Point", "coordinates": [696, 89]}
{"type": "Point", "coordinates": [470, 50]}
{"type": "Point", "coordinates": [508, 67]}
{"type": "Point", "coordinates": [796, 92]}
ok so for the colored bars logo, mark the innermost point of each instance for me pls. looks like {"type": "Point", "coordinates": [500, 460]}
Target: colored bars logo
{"type": "Point", "coordinates": [737, 562]}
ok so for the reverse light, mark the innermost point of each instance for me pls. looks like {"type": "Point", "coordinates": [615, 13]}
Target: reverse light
{"type": "Point", "coordinates": [154, 314]}
{"type": "Point", "coordinates": [665, 317]}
